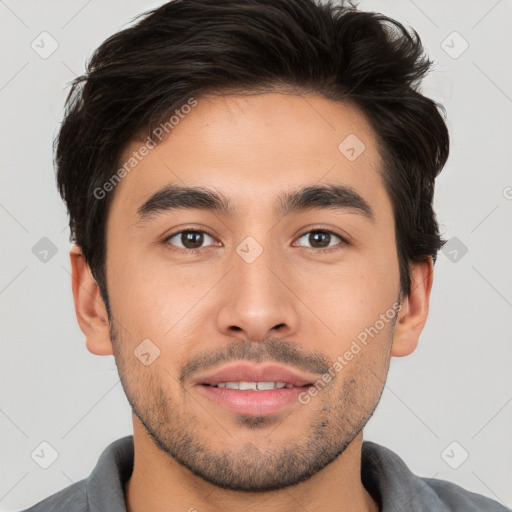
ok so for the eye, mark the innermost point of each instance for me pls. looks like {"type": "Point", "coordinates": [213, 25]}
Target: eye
{"type": "Point", "coordinates": [189, 239]}
{"type": "Point", "coordinates": [321, 239]}
{"type": "Point", "coordinates": [194, 239]}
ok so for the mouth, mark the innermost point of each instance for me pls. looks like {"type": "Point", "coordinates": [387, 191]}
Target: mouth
{"type": "Point", "coordinates": [261, 377]}
{"type": "Point", "coordinates": [253, 398]}
{"type": "Point", "coordinates": [253, 386]}
{"type": "Point", "coordinates": [254, 390]}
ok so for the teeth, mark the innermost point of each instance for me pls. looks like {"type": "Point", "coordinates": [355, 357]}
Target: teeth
{"type": "Point", "coordinates": [254, 386]}
{"type": "Point", "coordinates": [267, 385]}
{"type": "Point", "coordinates": [246, 386]}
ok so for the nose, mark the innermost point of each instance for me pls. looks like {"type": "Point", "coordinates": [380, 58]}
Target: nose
{"type": "Point", "coordinates": [256, 301]}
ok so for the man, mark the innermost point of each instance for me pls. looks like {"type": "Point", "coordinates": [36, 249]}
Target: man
{"type": "Point", "coordinates": [250, 188]}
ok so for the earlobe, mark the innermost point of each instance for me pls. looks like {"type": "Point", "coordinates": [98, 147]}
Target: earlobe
{"type": "Point", "coordinates": [89, 306]}
{"type": "Point", "coordinates": [413, 314]}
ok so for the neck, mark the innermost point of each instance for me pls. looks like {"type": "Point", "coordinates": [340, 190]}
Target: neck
{"type": "Point", "coordinates": [159, 483]}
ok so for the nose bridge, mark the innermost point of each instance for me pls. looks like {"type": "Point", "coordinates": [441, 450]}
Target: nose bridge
{"type": "Point", "coordinates": [256, 301]}
{"type": "Point", "coordinates": [252, 273]}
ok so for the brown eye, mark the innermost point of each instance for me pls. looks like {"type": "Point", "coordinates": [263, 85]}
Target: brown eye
{"type": "Point", "coordinates": [320, 239]}
{"type": "Point", "coordinates": [189, 239]}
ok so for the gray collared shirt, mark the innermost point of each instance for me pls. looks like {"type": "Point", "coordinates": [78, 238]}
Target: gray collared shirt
{"type": "Point", "coordinates": [384, 474]}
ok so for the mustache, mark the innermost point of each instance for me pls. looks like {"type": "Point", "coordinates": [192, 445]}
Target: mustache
{"type": "Point", "coordinates": [271, 350]}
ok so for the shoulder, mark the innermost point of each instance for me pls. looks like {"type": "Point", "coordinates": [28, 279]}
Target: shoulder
{"type": "Point", "coordinates": [456, 498]}
{"type": "Point", "coordinates": [392, 484]}
{"type": "Point", "coordinates": [71, 499]}
{"type": "Point", "coordinates": [102, 490]}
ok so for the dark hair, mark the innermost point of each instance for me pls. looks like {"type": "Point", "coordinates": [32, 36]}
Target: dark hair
{"type": "Point", "coordinates": [188, 48]}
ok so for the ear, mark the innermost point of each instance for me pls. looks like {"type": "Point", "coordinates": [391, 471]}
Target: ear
{"type": "Point", "coordinates": [413, 314]}
{"type": "Point", "coordinates": [90, 309]}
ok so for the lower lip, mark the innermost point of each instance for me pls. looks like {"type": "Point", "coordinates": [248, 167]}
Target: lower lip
{"type": "Point", "coordinates": [254, 403]}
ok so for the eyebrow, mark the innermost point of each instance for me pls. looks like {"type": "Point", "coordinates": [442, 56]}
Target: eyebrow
{"type": "Point", "coordinates": [175, 197]}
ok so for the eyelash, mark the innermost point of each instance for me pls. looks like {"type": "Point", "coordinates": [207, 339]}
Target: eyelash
{"type": "Point", "coordinates": [314, 230]}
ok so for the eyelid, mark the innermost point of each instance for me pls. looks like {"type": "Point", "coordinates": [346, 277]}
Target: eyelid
{"type": "Point", "coordinates": [323, 229]}
{"type": "Point", "coordinates": [189, 229]}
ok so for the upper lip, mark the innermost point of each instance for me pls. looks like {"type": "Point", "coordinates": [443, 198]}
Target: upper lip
{"type": "Point", "coordinates": [241, 372]}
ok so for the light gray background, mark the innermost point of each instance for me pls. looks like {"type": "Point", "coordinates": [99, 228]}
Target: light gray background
{"type": "Point", "coordinates": [455, 387]}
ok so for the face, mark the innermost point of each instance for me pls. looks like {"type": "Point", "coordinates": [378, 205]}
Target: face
{"type": "Point", "coordinates": [263, 281]}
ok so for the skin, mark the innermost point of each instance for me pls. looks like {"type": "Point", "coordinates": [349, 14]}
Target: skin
{"type": "Point", "coordinates": [291, 299]}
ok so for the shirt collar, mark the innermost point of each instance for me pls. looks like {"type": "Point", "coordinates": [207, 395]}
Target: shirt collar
{"type": "Point", "coordinates": [105, 485]}
{"type": "Point", "coordinates": [392, 484]}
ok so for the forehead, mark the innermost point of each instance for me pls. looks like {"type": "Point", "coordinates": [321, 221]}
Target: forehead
{"type": "Point", "coordinates": [254, 147]}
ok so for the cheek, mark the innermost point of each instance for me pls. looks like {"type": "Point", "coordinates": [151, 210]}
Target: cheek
{"type": "Point", "coordinates": [158, 300]}
{"type": "Point", "coordinates": [350, 297]}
